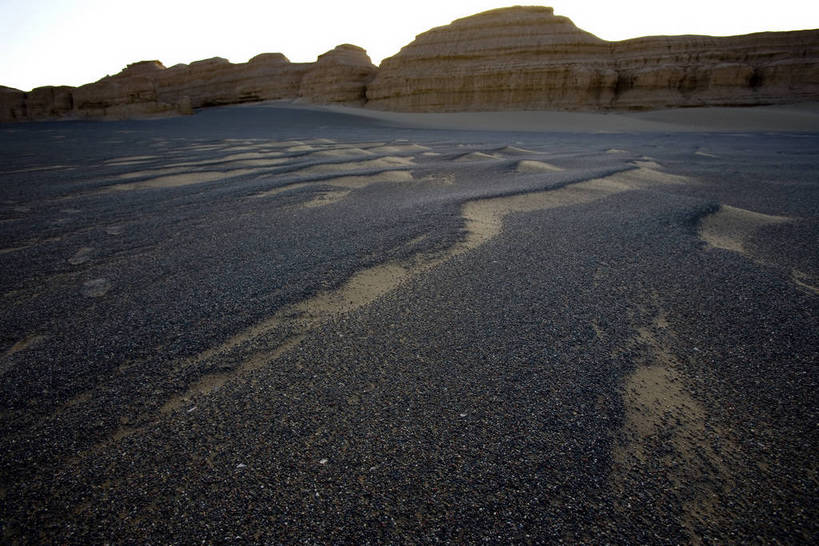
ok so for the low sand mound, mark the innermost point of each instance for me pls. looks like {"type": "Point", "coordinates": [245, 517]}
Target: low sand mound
{"type": "Point", "coordinates": [514, 150]}
{"type": "Point", "coordinates": [342, 153]}
{"type": "Point", "coordinates": [130, 160]}
{"type": "Point", "coordinates": [326, 198]}
{"type": "Point", "coordinates": [152, 172]}
{"type": "Point", "coordinates": [355, 182]}
{"type": "Point", "coordinates": [730, 227]}
{"type": "Point", "coordinates": [477, 156]}
{"type": "Point", "coordinates": [529, 166]}
{"type": "Point", "coordinates": [399, 149]}
{"type": "Point", "coordinates": [387, 162]}
{"type": "Point", "coordinates": [348, 182]}
{"type": "Point", "coordinates": [242, 159]}
{"type": "Point", "coordinates": [177, 180]}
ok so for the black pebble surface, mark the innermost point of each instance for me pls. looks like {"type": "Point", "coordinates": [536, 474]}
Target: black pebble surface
{"type": "Point", "coordinates": [594, 373]}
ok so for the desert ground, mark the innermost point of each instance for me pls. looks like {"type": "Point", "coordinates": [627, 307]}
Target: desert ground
{"type": "Point", "coordinates": [275, 323]}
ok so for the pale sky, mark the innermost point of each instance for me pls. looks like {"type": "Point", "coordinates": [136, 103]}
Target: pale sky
{"type": "Point", "coordinates": [72, 42]}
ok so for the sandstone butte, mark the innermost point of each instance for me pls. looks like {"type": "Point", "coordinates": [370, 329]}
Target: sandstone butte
{"type": "Point", "coordinates": [518, 58]}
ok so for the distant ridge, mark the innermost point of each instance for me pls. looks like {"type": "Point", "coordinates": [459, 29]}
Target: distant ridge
{"type": "Point", "coordinates": [517, 58]}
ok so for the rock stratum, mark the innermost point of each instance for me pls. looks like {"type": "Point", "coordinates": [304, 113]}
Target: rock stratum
{"type": "Point", "coordinates": [529, 58]}
{"type": "Point", "coordinates": [518, 58]}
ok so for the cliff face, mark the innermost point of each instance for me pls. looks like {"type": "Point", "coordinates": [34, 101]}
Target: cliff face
{"type": "Point", "coordinates": [515, 58]}
{"type": "Point", "coordinates": [763, 68]}
{"type": "Point", "coordinates": [132, 92]}
{"type": "Point", "coordinates": [217, 81]}
{"type": "Point", "coordinates": [12, 104]}
{"type": "Point", "coordinates": [148, 88]}
{"type": "Point", "coordinates": [528, 58]}
{"type": "Point", "coordinates": [520, 58]}
{"type": "Point", "coordinates": [339, 76]}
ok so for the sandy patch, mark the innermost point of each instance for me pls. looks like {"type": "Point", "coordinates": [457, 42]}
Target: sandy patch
{"type": "Point", "coordinates": [529, 166]}
{"type": "Point", "coordinates": [249, 155]}
{"type": "Point", "coordinates": [657, 405]}
{"type": "Point", "coordinates": [730, 227]}
{"type": "Point", "coordinates": [355, 182]}
{"type": "Point", "coordinates": [23, 344]}
{"type": "Point", "coordinates": [153, 172]}
{"type": "Point", "coordinates": [302, 148]}
{"type": "Point", "coordinates": [205, 147]}
{"type": "Point", "coordinates": [81, 256]}
{"type": "Point", "coordinates": [130, 159]}
{"type": "Point", "coordinates": [647, 164]}
{"type": "Point", "coordinates": [399, 149]}
{"type": "Point", "coordinates": [260, 163]}
{"type": "Point", "coordinates": [348, 182]}
{"type": "Point", "coordinates": [264, 160]}
{"type": "Point", "coordinates": [95, 288]}
{"type": "Point", "coordinates": [325, 198]}
{"type": "Point", "coordinates": [281, 189]}
{"type": "Point", "coordinates": [284, 143]}
{"type": "Point", "coordinates": [35, 169]}
{"type": "Point", "coordinates": [172, 181]}
{"type": "Point", "coordinates": [175, 181]}
{"type": "Point", "coordinates": [14, 249]}
{"type": "Point", "coordinates": [477, 156]}
{"type": "Point", "coordinates": [805, 281]}
{"type": "Point", "coordinates": [514, 150]}
{"type": "Point", "coordinates": [342, 153]}
{"type": "Point", "coordinates": [387, 162]}
{"type": "Point", "coordinates": [649, 173]}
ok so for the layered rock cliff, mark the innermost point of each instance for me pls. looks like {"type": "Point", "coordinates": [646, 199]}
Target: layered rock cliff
{"type": "Point", "coordinates": [514, 58]}
{"type": "Point", "coordinates": [339, 76]}
{"type": "Point", "coordinates": [519, 58]}
{"type": "Point", "coordinates": [149, 88]}
{"type": "Point", "coordinates": [217, 81]}
{"type": "Point", "coordinates": [12, 104]}
{"type": "Point", "coordinates": [529, 58]}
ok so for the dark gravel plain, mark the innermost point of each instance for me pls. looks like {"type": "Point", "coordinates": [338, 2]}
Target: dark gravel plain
{"type": "Point", "coordinates": [595, 373]}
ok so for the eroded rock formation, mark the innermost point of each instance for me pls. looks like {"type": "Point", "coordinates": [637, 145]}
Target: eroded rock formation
{"type": "Point", "coordinates": [131, 93]}
{"type": "Point", "coordinates": [529, 58]}
{"type": "Point", "coordinates": [339, 76]}
{"type": "Point", "coordinates": [12, 104]}
{"type": "Point", "coordinates": [519, 58]}
{"type": "Point", "coordinates": [217, 81]}
{"type": "Point", "coordinates": [515, 58]}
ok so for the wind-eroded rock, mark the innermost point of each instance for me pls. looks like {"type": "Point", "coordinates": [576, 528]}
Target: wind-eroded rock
{"type": "Point", "coordinates": [519, 58]}
{"type": "Point", "coordinates": [217, 81]}
{"type": "Point", "coordinates": [762, 68]}
{"type": "Point", "coordinates": [339, 76]}
{"type": "Point", "coordinates": [528, 58]}
{"type": "Point", "coordinates": [12, 104]}
{"type": "Point", "coordinates": [514, 58]}
{"type": "Point", "coordinates": [132, 92]}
